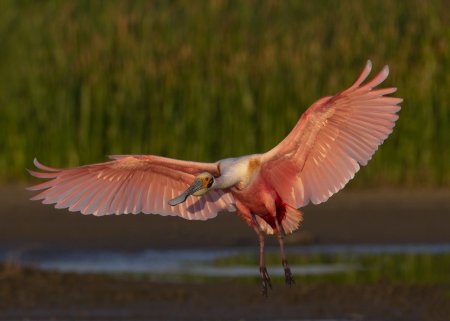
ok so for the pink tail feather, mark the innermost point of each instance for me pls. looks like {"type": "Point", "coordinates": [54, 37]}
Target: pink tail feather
{"type": "Point", "coordinates": [290, 223]}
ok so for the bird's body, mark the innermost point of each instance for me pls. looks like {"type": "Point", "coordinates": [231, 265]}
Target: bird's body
{"type": "Point", "coordinates": [320, 155]}
{"type": "Point", "coordinates": [253, 194]}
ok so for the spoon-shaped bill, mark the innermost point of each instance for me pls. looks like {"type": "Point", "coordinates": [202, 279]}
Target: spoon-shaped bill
{"type": "Point", "coordinates": [196, 186]}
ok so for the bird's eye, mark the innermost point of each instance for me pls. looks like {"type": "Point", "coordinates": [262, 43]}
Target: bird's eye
{"type": "Point", "coordinates": [211, 181]}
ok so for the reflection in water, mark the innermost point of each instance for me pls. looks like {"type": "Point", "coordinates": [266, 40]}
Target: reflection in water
{"type": "Point", "coordinates": [198, 261]}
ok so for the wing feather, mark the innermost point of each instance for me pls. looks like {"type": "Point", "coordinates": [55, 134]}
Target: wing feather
{"type": "Point", "coordinates": [130, 184]}
{"type": "Point", "coordinates": [331, 140]}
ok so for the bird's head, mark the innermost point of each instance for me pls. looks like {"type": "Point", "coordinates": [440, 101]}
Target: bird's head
{"type": "Point", "coordinates": [202, 183]}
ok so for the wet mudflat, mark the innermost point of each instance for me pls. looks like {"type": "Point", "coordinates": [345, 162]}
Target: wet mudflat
{"type": "Point", "coordinates": [27, 293]}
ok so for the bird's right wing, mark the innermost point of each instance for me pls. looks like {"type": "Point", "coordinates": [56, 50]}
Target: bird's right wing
{"type": "Point", "coordinates": [131, 184]}
{"type": "Point", "coordinates": [331, 140]}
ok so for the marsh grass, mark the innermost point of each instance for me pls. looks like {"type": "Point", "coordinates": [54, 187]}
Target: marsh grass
{"type": "Point", "coordinates": [211, 79]}
{"type": "Point", "coordinates": [415, 268]}
{"type": "Point", "coordinates": [401, 267]}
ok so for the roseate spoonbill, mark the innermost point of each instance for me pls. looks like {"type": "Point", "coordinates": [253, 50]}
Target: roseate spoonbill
{"type": "Point", "coordinates": [319, 156]}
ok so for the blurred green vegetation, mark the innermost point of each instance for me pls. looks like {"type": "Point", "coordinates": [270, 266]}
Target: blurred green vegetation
{"type": "Point", "coordinates": [204, 80]}
{"type": "Point", "coordinates": [363, 267]}
{"type": "Point", "coordinates": [426, 268]}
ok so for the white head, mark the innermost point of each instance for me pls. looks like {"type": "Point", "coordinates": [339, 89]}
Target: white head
{"type": "Point", "coordinates": [202, 183]}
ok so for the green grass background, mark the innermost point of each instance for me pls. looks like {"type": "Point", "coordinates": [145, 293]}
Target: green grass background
{"type": "Point", "coordinates": [205, 80]}
{"type": "Point", "coordinates": [362, 267]}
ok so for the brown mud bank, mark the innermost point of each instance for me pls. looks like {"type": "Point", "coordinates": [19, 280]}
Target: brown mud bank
{"type": "Point", "coordinates": [367, 216]}
{"type": "Point", "coordinates": [28, 293]}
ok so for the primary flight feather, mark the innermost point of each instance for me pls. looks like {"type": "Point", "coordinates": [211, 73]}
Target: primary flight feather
{"type": "Point", "coordinates": [332, 139]}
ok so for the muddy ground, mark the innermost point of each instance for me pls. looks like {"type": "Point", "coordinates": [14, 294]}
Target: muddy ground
{"type": "Point", "coordinates": [34, 294]}
{"type": "Point", "coordinates": [370, 216]}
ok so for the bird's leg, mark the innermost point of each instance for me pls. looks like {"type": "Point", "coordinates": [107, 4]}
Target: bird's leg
{"type": "Point", "coordinates": [262, 264]}
{"type": "Point", "coordinates": [287, 270]}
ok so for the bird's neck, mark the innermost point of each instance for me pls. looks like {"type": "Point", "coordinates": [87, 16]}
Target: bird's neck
{"type": "Point", "coordinates": [235, 171]}
{"type": "Point", "coordinates": [225, 181]}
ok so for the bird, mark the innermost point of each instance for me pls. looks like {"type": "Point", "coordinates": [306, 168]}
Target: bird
{"type": "Point", "coordinates": [333, 138]}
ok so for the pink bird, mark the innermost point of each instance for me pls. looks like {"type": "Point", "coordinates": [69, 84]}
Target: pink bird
{"type": "Point", "coordinates": [320, 155]}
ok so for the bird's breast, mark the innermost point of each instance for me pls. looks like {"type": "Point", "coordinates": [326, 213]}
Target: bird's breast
{"type": "Point", "coordinates": [239, 173]}
{"type": "Point", "coordinates": [254, 195]}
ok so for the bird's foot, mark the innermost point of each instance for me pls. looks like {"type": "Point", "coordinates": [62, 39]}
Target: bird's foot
{"type": "Point", "coordinates": [265, 280]}
{"type": "Point", "coordinates": [289, 279]}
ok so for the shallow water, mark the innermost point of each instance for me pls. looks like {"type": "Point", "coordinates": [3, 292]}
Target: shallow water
{"type": "Point", "coordinates": [198, 261]}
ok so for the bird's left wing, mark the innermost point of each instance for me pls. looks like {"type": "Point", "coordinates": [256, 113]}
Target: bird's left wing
{"type": "Point", "coordinates": [331, 140]}
{"type": "Point", "coordinates": [131, 184]}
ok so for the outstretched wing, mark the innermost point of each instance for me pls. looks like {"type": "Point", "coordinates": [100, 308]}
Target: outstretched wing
{"type": "Point", "coordinates": [131, 184]}
{"type": "Point", "coordinates": [331, 140]}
